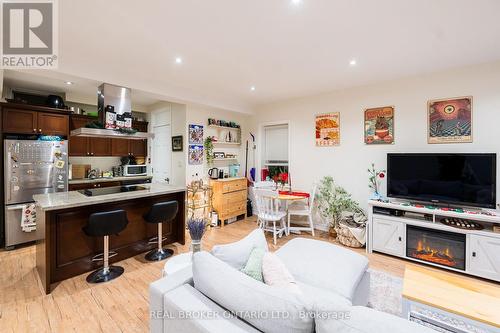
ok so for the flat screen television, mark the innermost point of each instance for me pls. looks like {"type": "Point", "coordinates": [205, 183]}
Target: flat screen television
{"type": "Point", "coordinates": [454, 179]}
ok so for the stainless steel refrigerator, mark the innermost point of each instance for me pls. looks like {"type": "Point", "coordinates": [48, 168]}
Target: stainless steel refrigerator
{"type": "Point", "coordinates": [30, 167]}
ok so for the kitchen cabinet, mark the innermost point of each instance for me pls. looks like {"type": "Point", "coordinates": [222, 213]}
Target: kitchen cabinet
{"type": "Point", "coordinates": [87, 146]}
{"type": "Point", "coordinates": [119, 147]}
{"type": "Point", "coordinates": [389, 236]}
{"type": "Point", "coordinates": [24, 121]}
{"type": "Point", "coordinates": [126, 147]}
{"type": "Point", "coordinates": [483, 256]}
{"type": "Point", "coordinates": [81, 146]}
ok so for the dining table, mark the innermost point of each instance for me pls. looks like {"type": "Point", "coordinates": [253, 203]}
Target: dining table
{"type": "Point", "coordinates": [288, 197]}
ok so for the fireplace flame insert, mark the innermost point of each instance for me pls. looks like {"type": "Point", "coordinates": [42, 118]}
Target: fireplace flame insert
{"type": "Point", "coordinates": [436, 246]}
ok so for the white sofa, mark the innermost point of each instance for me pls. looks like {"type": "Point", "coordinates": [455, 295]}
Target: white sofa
{"type": "Point", "coordinates": [214, 296]}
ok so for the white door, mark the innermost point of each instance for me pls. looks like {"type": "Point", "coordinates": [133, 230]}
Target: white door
{"type": "Point", "coordinates": [389, 237]}
{"type": "Point", "coordinates": [162, 154]}
{"type": "Point", "coordinates": [484, 256]}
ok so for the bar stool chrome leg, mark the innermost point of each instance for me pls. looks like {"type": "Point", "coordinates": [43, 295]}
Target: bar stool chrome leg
{"type": "Point", "coordinates": [106, 273]}
{"type": "Point", "coordinates": [160, 253]}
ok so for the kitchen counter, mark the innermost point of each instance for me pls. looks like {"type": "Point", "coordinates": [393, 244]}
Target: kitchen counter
{"type": "Point", "coordinates": [64, 200]}
{"type": "Point", "coordinates": [66, 251]}
{"type": "Point", "coordinates": [106, 179]}
{"type": "Point", "coordinates": [230, 179]}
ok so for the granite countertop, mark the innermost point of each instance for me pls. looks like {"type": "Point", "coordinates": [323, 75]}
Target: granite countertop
{"type": "Point", "coordinates": [101, 180]}
{"type": "Point", "coordinates": [63, 200]}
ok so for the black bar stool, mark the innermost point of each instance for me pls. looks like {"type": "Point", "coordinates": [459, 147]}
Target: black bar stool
{"type": "Point", "coordinates": [104, 224]}
{"type": "Point", "coordinates": [159, 213]}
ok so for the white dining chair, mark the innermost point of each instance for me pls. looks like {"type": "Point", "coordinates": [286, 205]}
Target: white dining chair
{"type": "Point", "coordinates": [269, 216]}
{"type": "Point", "coordinates": [302, 209]}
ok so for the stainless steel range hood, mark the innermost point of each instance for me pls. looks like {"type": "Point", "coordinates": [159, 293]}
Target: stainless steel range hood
{"type": "Point", "coordinates": [119, 100]}
{"type": "Point", "coordinates": [109, 133]}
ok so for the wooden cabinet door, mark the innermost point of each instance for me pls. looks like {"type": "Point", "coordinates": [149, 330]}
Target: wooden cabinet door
{"type": "Point", "coordinates": [138, 147]}
{"type": "Point", "coordinates": [389, 236]}
{"type": "Point", "coordinates": [120, 147]}
{"type": "Point", "coordinates": [109, 184]}
{"type": "Point", "coordinates": [82, 186]}
{"type": "Point", "coordinates": [100, 147]}
{"type": "Point", "coordinates": [78, 146]}
{"type": "Point", "coordinates": [53, 124]}
{"type": "Point", "coordinates": [19, 121]}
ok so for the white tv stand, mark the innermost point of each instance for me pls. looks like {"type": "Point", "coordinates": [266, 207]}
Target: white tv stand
{"type": "Point", "coordinates": [387, 234]}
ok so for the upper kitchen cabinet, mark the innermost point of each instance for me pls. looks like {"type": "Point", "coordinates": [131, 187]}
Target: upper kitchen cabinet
{"type": "Point", "coordinates": [53, 124]}
{"type": "Point", "coordinates": [19, 121]}
{"type": "Point", "coordinates": [138, 147]}
{"type": "Point", "coordinates": [23, 119]}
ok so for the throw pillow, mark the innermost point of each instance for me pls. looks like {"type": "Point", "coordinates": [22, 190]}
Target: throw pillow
{"type": "Point", "coordinates": [276, 274]}
{"type": "Point", "coordinates": [253, 268]}
{"type": "Point", "coordinates": [236, 254]}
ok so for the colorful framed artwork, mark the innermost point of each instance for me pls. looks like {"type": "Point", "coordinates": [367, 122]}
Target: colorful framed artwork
{"type": "Point", "coordinates": [450, 120]}
{"type": "Point", "coordinates": [379, 125]}
{"type": "Point", "coordinates": [177, 143]}
{"type": "Point", "coordinates": [195, 154]}
{"type": "Point", "coordinates": [195, 134]}
{"type": "Point", "coordinates": [328, 129]}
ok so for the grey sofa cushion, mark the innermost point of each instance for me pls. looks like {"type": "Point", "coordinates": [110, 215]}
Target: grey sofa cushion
{"type": "Point", "coordinates": [267, 308]}
{"type": "Point", "coordinates": [360, 319]}
{"type": "Point", "coordinates": [324, 265]}
{"type": "Point", "coordinates": [206, 316]}
{"type": "Point", "coordinates": [236, 254]}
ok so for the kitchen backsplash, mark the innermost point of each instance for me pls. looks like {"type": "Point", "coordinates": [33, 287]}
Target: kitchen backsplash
{"type": "Point", "coordinates": [102, 163]}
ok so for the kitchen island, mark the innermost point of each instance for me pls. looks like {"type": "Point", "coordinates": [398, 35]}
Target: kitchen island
{"type": "Point", "coordinates": [66, 251]}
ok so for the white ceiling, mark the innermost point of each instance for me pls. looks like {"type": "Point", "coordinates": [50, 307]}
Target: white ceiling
{"type": "Point", "coordinates": [284, 50]}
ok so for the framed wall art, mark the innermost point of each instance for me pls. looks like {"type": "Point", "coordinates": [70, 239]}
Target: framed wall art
{"type": "Point", "coordinates": [177, 143]}
{"type": "Point", "coordinates": [450, 120]}
{"type": "Point", "coordinates": [328, 129]}
{"type": "Point", "coordinates": [195, 134]}
{"type": "Point", "coordinates": [379, 125]}
{"type": "Point", "coordinates": [195, 154]}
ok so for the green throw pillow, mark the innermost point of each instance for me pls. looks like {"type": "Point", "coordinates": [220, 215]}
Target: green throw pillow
{"type": "Point", "coordinates": [253, 267]}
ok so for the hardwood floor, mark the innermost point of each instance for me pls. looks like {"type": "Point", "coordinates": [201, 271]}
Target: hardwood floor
{"type": "Point", "coordinates": [117, 306]}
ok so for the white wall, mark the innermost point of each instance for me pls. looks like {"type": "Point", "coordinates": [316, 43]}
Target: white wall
{"type": "Point", "coordinates": [348, 162]}
{"type": "Point", "coordinates": [199, 114]}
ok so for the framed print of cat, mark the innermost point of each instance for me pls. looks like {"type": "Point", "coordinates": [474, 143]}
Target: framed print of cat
{"type": "Point", "coordinates": [379, 125]}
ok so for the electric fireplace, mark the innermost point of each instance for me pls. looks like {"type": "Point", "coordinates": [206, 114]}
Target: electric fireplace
{"type": "Point", "coordinates": [435, 246]}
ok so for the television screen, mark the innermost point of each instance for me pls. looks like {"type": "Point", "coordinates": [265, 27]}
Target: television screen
{"type": "Point", "coordinates": [460, 179]}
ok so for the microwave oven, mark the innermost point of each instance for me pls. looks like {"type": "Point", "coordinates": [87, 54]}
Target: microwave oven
{"type": "Point", "coordinates": [135, 170]}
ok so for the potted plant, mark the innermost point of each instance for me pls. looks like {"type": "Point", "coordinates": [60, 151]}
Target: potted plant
{"type": "Point", "coordinates": [196, 229]}
{"type": "Point", "coordinates": [333, 200]}
{"type": "Point", "coordinates": [209, 149]}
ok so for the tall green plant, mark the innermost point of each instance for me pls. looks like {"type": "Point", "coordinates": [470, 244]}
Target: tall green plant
{"type": "Point", "coordinates": [333, 200]}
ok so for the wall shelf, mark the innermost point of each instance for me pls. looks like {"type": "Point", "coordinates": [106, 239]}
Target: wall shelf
{"type": "Point", "coordinates": [225, 159]}
{"type": "Point", "coordinates": [226, 143]}
{"type": "Point", "coordinates": [225, 127]}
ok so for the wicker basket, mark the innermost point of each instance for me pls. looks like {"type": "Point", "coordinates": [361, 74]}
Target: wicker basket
{"type": "Point", "coordinates": [345, 237]}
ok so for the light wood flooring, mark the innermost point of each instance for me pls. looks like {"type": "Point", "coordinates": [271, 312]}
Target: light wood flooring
{"type": "Point", "coordinates": [117, 306]}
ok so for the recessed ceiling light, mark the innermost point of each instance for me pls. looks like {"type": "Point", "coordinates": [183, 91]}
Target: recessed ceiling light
{"type": "Point", "coordinates": [178, 60]}
{"type": "Point", "coordinates": [68, 83]}
{"type": "Point", "coordinates": [296, 2]}
{"type": "Point", "coordinates": [252, 88]}
{"type": "Point", "coordinates": [352, 62]}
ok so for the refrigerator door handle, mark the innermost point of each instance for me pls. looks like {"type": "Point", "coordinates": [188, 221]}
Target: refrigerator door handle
{"type": "Point", "coordinates": [16, 207]}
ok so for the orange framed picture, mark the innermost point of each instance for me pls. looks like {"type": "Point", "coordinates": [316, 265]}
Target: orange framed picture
{"type": "Point", "coordinates": [328, 129]}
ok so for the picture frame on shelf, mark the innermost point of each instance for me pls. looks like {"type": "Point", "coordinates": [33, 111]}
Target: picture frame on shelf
{"type": "Point", "coordinates": [219, 155]}
{"type": "Point", "coordinates": [177, 143]}
{"type": "Point", "coordinates": [449, 120]}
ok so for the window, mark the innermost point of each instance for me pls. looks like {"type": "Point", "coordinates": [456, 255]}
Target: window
{"type": "Point", "coordinates": [275, 151]}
